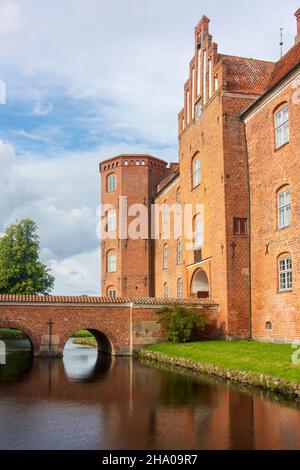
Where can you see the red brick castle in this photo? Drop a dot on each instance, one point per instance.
(239, 150)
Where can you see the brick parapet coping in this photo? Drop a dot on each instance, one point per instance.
(55, 299)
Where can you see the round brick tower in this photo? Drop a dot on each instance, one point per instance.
(126, 180)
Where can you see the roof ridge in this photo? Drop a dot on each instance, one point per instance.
(36, 298)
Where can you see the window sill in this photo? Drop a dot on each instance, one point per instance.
(287, 291)
(280, 229)
(277, 149)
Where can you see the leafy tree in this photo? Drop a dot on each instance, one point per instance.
(180, 322)
(20, 269)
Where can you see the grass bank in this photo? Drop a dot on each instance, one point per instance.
(82, 334)
(11, 334)
(90, 342)
(250, 362)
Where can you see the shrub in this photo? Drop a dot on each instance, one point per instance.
(180, 322)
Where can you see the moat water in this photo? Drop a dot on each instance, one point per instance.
(86, 401)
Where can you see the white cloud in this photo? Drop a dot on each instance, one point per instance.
(78, 275)
(41, 110)
(129, 61)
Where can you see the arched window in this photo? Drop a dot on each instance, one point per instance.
(111, 262)
(281, 122)
(112, 292)
(198, 231)
(284, 207)
(285, 273)
(196, 177)
(179, 289)
(165, 257)
(179, 251)
(166, 291)
(111, 220)
(126, 163)
(137, 163)
(111, 183)
(143, 163)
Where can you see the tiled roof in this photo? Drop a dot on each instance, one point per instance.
(284, 66)
(166, 182)
(50, 299)
(281, 69)
(247, 76)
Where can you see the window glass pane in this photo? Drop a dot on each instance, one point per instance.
(281, 120)
(285, 274)
(284, 209)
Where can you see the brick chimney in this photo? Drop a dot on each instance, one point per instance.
(297, 14)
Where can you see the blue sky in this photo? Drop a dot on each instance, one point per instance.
(88, 79)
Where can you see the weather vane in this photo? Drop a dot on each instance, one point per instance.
(281, 42)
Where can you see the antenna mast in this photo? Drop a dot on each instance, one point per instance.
(281, 42)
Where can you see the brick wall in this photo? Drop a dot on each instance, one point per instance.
(270, 170)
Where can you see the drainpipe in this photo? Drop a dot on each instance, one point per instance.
(249, 229)
(130, 326)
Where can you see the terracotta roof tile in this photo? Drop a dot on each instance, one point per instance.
(50, 299)
(284, 66)
(247, 76)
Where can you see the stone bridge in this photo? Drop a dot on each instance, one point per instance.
(120, 326)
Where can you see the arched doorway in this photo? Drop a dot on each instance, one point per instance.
(200, 285)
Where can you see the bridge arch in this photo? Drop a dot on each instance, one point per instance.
(30, 334)
(106, 340)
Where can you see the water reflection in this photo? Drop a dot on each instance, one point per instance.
(82, 364)
(86, 401)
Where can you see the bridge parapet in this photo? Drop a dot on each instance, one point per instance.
(120, 325)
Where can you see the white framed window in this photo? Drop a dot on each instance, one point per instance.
(112, 293)
(198, 233)
(166, 291)
(165, 213)
(179, 289)
(282, 132)
(179, 252)
(111, 220)
(111, 262)
(285, 274)
(284, 208)
(196, 172)
(111, 183)
(165, 257)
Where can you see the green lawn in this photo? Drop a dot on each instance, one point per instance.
(10, 334)
(250, 356)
